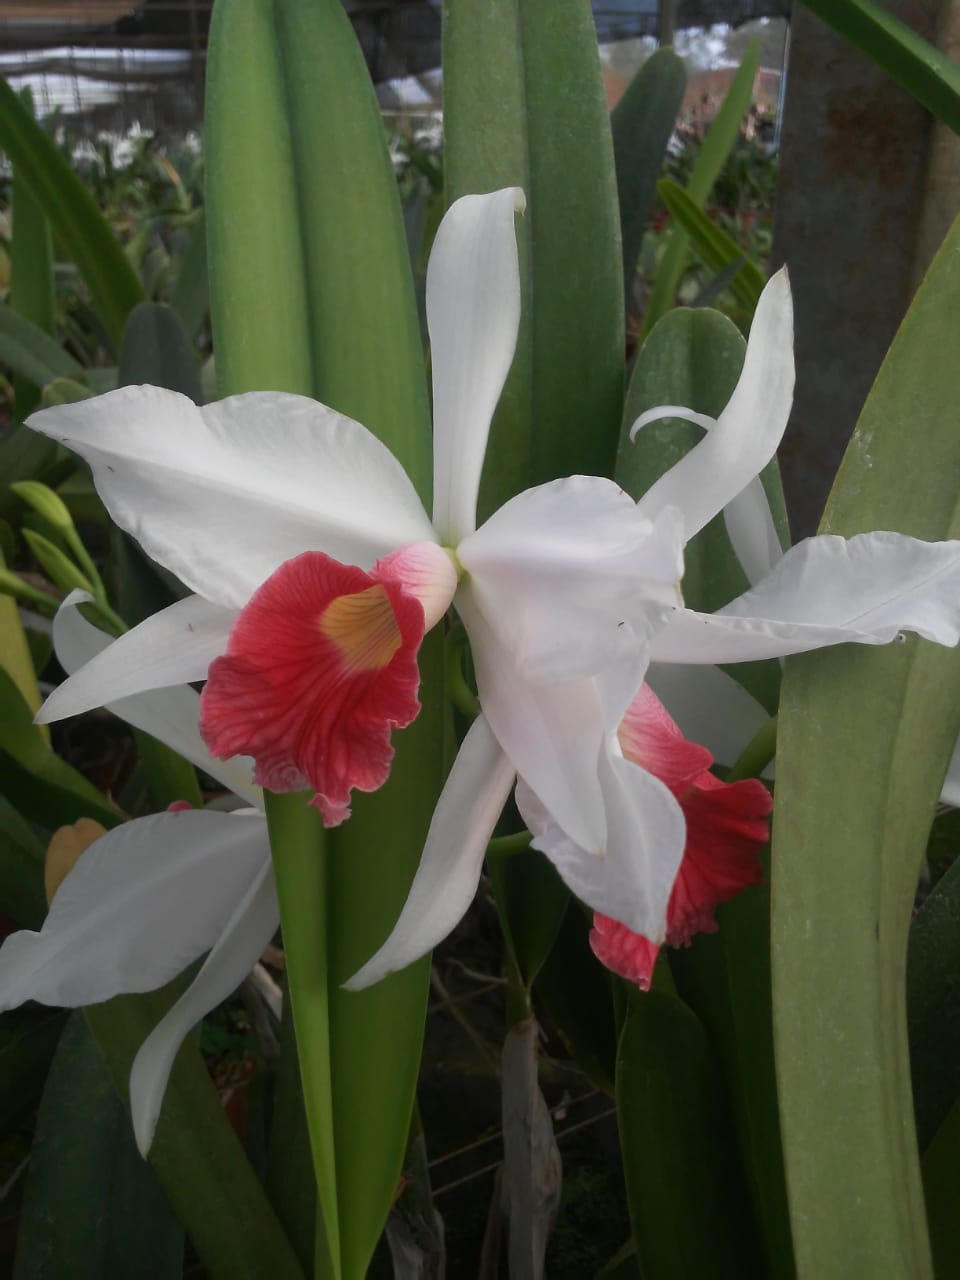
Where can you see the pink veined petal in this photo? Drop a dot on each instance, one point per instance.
(142, 903)
(172, 647)
(571, 577)
(652, 739)
(170, 715)
(321, 666)
(750, 428)
(449, 871)
(244, 938)
(473, 314)
(709, 707)
(223, 495)
(828, 590)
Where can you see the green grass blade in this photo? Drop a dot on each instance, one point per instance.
(924, 70)
(864, 740)
(717, 249)
(79, 225)
(717, 145)
(642, 122)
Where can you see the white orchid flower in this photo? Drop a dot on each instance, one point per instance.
(316, 572)
(153, 895)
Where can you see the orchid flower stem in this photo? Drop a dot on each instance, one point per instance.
(11, 585)
(505, 846)
(461, 695)
(758, 753)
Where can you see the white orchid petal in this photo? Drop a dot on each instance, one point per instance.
(239, 947)
(571, 577)
(142, 903)
(446, 880)
(632, 880)
(671, 411)
(709, 706)
(750, 428)
(552, 733)
(170, 715)
(172, 647)
(473, 314)
(225, 494)
(752, 532)
(828, 590)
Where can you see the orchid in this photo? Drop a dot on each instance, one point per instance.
(316, 572)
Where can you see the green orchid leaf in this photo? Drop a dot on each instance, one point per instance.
(924, 70)
(642, 122)
(156, 349)
(29, 351)
(302, 285)
(863, 745)
(724, 977)
(933, 1005)
(716, 147)
(22, 895)
(941, 1187)
(531, 903)
(88, 1193)
(717, 249)
(688, 1203)
(191, 294)
(693, 358)
(207, 1178)
(78, 224)
(31, 274)
(506, 124)
(46, 788)
(28, 1038)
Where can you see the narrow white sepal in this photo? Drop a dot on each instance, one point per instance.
(449, 871)
(243, 940)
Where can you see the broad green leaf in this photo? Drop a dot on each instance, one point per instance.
(156, 349)
(289, 1179)
(725, 979)
(575, 991)
(22, 896)
(30, 352)
(508, 122)
(191, 295)
(302, 286)
(31, 273)
(717, 249)
(693, 358)
(717, 145)
(933, 1005)
(688, 1204)
(924, 70)
(45, 787)
(89, 1194)
(642, 122)
(198, 1158)
(941, 1190)
(864, 741)
(78, 224)
(28, 1038)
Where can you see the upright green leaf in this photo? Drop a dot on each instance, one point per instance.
(864, 741)
(717, 145)
(642, 122)
(31, 272)
(191, 294)
(717, 249)
(688, 1204)
(89, 1194)
(507, 122)
(924, 70)
(31, 352)
(73, 214)
(303, 287)
(156, 349)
